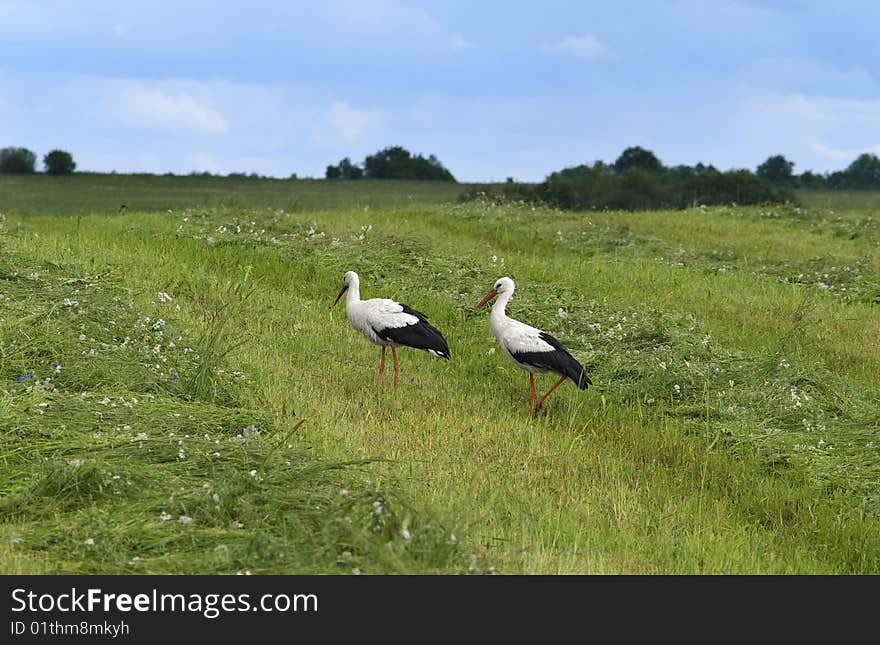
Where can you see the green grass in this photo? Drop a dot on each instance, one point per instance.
(840, 200)
(732, 426)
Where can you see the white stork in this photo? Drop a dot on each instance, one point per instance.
(529, 348)
(387, 323)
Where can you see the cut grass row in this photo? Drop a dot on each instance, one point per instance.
(732, 427)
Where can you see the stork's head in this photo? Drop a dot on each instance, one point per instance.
(502, 285)
(350, 278)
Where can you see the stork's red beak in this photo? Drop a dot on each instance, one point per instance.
(341, 291)
(487, 298)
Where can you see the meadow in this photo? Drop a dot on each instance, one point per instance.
(178, 396)
(90, 193)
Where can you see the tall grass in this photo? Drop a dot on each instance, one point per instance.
(112, 463)
(732, 425)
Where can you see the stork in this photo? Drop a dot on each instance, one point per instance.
(529, 348)
(387, 323)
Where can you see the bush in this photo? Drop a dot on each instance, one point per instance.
(731, 187)
(19, 161)
(59, 162)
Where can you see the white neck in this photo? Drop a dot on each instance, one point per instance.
(500, 305)
(354, 292)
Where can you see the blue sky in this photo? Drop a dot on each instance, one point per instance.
(494, 89)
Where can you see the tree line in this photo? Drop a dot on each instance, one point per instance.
(863, 173)
(21, 161)
(638, 180)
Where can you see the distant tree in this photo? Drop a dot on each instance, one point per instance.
(703, 169)
(594, 188)
(344, 170)
(682, 172)
(390, 163)
(637, 157)
(838, 179)
(809, 179)
(348, 170)
(18, 161)
(777, 170)
(59, 162)
(396, 162)
(864, 172)
(731, 187)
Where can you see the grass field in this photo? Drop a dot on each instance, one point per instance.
(91, 193)
(178, 395)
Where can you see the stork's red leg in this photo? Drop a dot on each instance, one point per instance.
(381, 367)
(394, 354)
(531, 394)
(555, 385)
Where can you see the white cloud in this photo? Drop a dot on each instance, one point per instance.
(141, 105)
(583, 47)
(820, 110)
(352, 123)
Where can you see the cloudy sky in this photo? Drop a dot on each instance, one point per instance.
(495, 89)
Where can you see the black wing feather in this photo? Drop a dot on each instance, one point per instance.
(421, 335)
(559, 361)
